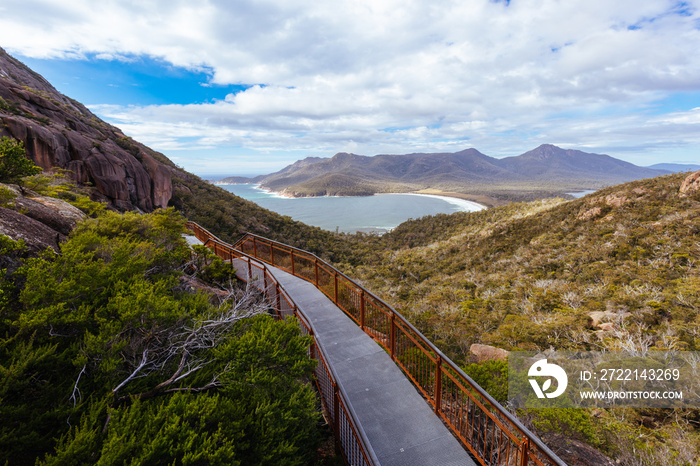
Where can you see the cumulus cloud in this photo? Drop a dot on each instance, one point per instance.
(389, 75)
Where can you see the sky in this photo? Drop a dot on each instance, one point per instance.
(249, 86)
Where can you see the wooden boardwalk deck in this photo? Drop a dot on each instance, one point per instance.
(400, 426)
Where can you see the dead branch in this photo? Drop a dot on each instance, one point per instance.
(189, 343)
(76, 390)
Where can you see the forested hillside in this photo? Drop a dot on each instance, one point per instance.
(120, 345)
(617, 269)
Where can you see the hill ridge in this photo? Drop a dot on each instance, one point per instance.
(544, 171)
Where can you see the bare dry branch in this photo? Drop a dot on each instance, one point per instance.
(76, 390)
(188, 342)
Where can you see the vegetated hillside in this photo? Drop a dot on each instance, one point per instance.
(617, 269)
(540, 172)
(125, 347)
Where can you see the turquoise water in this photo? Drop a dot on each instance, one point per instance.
(378, 213)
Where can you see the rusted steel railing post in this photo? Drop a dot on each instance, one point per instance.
(316, 270)
(255, 247)
(392, 337)
(524, 448)
(336, 415)
(335, 276)
(438, 384)
(362, 309)
(291, 254)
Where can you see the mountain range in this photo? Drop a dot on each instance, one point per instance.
(547, 169)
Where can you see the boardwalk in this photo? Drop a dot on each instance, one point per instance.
(391, 395)
(400, 426)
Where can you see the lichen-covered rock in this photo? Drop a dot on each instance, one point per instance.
(39, 220)
(35, 234)
(162, 182)
(70, 213)
(39, 212)
(691, 184)
(487, 352)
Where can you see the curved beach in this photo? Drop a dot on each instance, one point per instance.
(463, 204)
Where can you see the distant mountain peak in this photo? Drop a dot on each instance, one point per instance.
(547, 168)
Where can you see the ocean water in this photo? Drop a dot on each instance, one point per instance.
(379, 213)
(579, 194)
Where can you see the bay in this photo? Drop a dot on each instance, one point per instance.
(379, 213)
(580, 194)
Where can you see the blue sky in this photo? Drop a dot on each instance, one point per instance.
(247, 87)
(132, 81)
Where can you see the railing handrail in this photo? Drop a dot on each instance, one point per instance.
(366, 445)
(515, 422)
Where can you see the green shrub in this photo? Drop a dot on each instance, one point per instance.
(14, 165)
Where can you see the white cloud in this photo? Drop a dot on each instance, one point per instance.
(391, 76)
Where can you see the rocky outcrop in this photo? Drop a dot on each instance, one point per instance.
(487, 352)
(691, 184)
(43, 214)
(60, 133)
(35, 234)
(42, 222)
(69, 213)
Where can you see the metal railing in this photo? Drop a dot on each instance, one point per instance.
(489, 432)
(350, 438)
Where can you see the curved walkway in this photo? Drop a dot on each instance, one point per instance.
(400, 426)
(378, 415)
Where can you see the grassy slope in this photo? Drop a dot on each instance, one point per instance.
(630, 248)
(531, 275)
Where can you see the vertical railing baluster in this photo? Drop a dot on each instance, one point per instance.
(316, 270)
(335, 277)
(336, 414)
(362, 309)
(438, 384)
(524, 452)
(392, 338)
(291, 254)
(279, 304)
(264, 274)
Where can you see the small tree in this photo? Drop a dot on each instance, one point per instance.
(14, 164)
